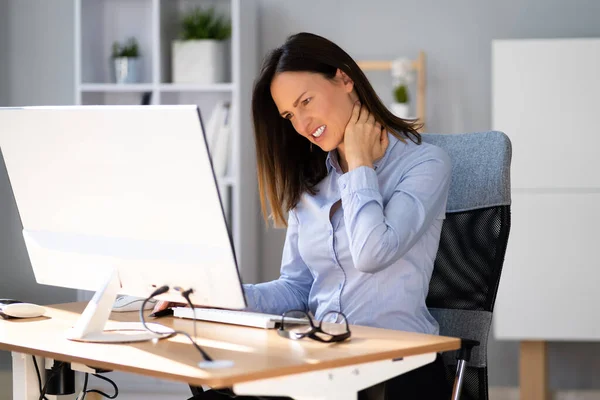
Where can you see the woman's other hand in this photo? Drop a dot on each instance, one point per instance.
(161, 305)
(365, 140)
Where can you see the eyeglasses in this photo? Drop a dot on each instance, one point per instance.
(297, 324)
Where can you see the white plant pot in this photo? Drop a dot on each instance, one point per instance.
(125, 70)
(199, 61)
(400, 110)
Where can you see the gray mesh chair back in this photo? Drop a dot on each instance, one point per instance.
(469, 261)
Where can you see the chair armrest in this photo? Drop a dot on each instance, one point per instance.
(465, 349)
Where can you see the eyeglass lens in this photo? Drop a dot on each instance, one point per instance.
(296, 322)
(337, 326)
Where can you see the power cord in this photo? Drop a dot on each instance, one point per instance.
(55, 369)
(39, 377)
(186, 296)
(135, 300)
(161, 290)
(85, 383)
(85, 391)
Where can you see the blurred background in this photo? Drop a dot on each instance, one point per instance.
(62, 52)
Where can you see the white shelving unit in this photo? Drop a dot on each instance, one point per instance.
(98, 23)
(155, 23)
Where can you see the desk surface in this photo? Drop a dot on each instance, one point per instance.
(257, 353)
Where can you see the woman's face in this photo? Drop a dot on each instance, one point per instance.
(317, 107)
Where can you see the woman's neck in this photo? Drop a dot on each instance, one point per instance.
(342, 158)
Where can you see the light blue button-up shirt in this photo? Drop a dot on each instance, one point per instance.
(373, 259)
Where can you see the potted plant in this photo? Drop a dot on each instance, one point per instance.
(199, 56)
(125, 61)
(401, 101)
(402, 74)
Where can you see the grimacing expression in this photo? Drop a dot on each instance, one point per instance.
(318, 108)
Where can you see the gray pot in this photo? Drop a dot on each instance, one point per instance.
(125, 69)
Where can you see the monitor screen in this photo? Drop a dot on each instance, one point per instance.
(129, 189)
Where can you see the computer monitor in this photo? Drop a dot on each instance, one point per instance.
(120, 200)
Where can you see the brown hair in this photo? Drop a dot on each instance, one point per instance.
(287, 166)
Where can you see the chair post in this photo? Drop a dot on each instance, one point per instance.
(458, 380)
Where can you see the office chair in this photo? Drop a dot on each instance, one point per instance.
(469, 261)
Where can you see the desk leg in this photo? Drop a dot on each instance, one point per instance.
(342, 383)
(24, 378)
(534, 371)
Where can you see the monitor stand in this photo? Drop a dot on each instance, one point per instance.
(94, 326)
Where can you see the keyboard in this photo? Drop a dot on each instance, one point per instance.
(235, 317)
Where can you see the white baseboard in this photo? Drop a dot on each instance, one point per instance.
(512, 393)
(504, 393)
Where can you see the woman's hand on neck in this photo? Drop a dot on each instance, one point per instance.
(365, 140)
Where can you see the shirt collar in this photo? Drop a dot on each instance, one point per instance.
(332, 161)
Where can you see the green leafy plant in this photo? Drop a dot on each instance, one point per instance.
(201, 24)
(128, 49)
(401, 94)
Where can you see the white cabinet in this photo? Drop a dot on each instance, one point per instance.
(550, 280)
(155, 24)
(545, 98)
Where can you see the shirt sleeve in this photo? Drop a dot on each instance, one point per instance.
(290, 291)
(381, 234)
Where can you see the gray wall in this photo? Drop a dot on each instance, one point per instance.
(456, 36)
(36, 50)
(41, 58)
(3, 52)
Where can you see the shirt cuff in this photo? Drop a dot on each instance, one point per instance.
(361, 178)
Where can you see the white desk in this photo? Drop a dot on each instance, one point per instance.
(265, 364)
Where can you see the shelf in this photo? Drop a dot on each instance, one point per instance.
(214, 87)
(147, 87)
(113, 87)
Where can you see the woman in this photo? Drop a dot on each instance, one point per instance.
(365, 200)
